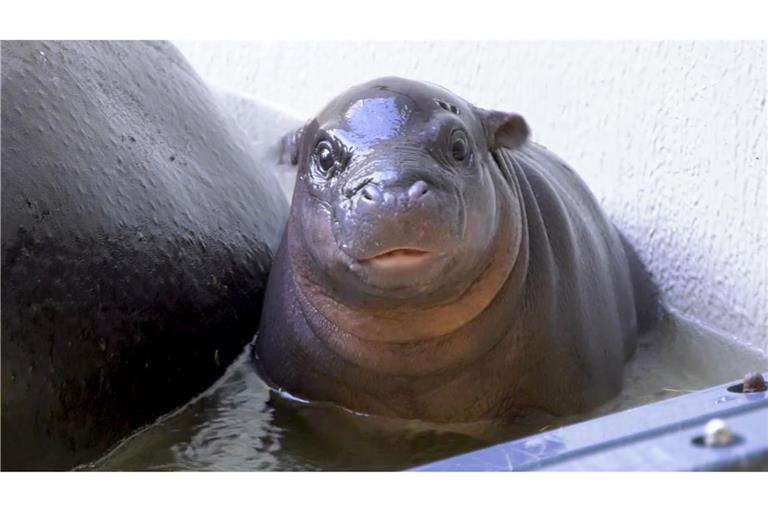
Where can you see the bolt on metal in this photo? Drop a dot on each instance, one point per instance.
(753, 383)
(717, 433)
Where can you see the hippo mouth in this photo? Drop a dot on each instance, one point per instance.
(398, 258)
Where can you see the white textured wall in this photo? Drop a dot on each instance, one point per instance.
(671, 137)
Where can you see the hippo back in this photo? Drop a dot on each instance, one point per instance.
(579, 282)
(137, 233)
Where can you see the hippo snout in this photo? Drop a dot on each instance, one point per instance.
(373, 197)
(381, 217)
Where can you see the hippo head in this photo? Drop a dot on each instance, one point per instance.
(396, 193)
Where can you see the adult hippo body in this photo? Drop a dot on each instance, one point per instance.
(138, 228)
(437, 265)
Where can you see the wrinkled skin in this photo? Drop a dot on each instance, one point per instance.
(438, 266)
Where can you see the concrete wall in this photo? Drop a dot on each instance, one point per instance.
(670, 136)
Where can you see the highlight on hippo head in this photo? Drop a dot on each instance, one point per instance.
(397, 186)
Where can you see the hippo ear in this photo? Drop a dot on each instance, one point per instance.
(504, 130)
(289, 147)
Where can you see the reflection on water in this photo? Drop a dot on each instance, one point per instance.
(239, 424)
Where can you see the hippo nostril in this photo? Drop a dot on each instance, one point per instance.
(417, 190)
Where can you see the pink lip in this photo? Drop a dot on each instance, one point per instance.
(398, 258)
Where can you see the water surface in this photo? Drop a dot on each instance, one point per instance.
(240, 424)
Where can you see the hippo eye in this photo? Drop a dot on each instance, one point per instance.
(325, 157)
(459, 147)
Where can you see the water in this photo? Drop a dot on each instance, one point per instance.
(240, 424)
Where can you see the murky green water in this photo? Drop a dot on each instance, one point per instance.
(239, 424)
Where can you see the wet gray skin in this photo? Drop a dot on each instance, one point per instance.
(400, 208)
(437, 265)
(138, 228)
